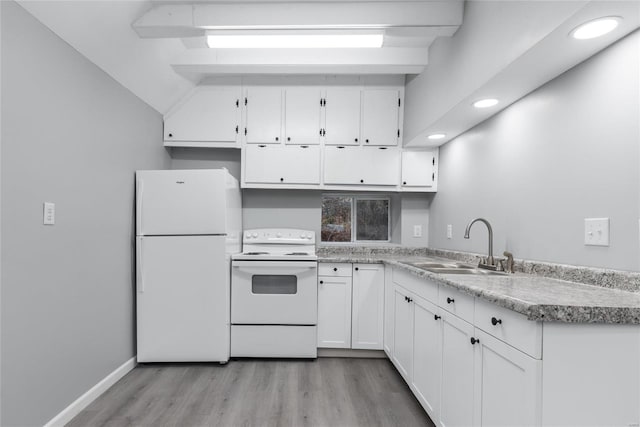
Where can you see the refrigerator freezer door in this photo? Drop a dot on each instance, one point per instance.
(182, 299)
(179, 202)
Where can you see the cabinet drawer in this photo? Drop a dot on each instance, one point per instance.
(420, 286)
(456, 302)
(342, 269)
(510, 327)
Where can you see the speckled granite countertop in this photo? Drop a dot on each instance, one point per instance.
(537, 297)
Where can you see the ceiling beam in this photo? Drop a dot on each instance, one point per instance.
(196, 62)
(189, 20)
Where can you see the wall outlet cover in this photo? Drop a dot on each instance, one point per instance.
(596, 231)
(417, 231)
(49, 213)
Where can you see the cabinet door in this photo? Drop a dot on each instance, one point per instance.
(342, 165)
(507, 383)
(368, 306)
(334, 312)
(403, 333)
(427, 355)
(456, 404)
(380, 113)
(342, 116)
(280, 164)
(210, 114)
(264, 112)
(361, 166)
(389, 303)
(418, 168)
(302, 115)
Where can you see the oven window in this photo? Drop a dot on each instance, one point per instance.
(274, 284)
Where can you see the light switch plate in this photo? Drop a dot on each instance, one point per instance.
(596, 231)
(449, 231)
(49, 213)
(417, 231)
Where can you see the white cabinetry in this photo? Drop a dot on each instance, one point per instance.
(281, 164)
(350, 305)
(342, 116)
(418, 169)
(334, 311)
(368, 166)
(368, 306)
(263, 115)
(403, 333)
(302, 115)
(210, 114)
(380, 116)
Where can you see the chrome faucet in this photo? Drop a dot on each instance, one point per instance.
(490, 264)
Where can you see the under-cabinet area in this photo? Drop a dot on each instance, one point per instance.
(312, 133)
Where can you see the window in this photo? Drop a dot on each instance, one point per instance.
(342, 213)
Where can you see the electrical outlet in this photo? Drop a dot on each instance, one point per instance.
(49, 213)
(449, 231)
(417, 231)
(596, 231)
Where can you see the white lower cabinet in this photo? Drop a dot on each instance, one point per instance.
(334, 312)
(507, 384)
(403, 333)
(368, 306)
(456, 406)
(427, 355)
(351, 306)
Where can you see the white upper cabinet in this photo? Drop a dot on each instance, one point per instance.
(281, 164)
(380, 116)
(209, 114)
(302, 115)
(263, 115)
(418, 168)
(342, 116)
(361, 166)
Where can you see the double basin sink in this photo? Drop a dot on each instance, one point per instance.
(455, 268)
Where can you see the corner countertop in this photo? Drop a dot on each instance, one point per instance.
(538, 298)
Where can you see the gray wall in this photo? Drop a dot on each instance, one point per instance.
(73, 136)
(568, 151)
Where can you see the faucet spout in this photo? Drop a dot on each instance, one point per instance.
(490, 260)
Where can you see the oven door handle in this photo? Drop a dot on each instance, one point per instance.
(274, 264)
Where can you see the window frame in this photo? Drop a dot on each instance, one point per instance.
(354, 220)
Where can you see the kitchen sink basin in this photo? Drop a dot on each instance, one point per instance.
(456, 268)
(427, 265)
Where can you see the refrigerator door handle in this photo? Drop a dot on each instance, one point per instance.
(139, 269)
(139, 192)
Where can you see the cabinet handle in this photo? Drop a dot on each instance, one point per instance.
(474, 340)
(362, 181)
(236, 129)
(288, 138)
(436, 317)
(450, 300)
(382, 148)
(404, 182)
(356, 268)
(321, 282)
(366, 140)
(356, 139)
(410, 300)
(495, 321)
(262, 146)
(277, 139)
(170, 135)
(281, 179)
(340, 147)
(335, 268)
(304, 146)
(406, 298)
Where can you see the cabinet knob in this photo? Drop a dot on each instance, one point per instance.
(356, 139)
(362, 181)
(170, 135)
(436, 317)
(288, 138)
(335, 268)
(495, 321)
(366, 140)
(404, 182)
(281, 179)
(474, 340)
(356, 269)
(277, 139)
(321, 282)
(450, 300)
(410, 300)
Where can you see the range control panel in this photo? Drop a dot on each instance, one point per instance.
(288, 236)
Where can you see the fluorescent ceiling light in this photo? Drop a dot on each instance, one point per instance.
(239, 41)
(485, 103)
(436, 136)
(596, 28)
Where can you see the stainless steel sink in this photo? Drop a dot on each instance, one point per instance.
(456, 268)
(427, 265)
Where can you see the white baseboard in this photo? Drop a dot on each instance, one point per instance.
(347, 352)
(94, 392)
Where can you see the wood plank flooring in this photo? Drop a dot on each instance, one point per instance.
(264, 392)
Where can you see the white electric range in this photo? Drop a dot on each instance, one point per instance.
(274, 294)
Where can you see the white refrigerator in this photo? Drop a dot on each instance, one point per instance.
(188, 224)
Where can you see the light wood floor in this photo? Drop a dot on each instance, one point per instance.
(323, 392)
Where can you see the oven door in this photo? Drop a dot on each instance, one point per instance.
(274, 292)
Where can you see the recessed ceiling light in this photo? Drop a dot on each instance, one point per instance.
(485, 103)
(240, 41)
(595, 28)
(436, 136)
